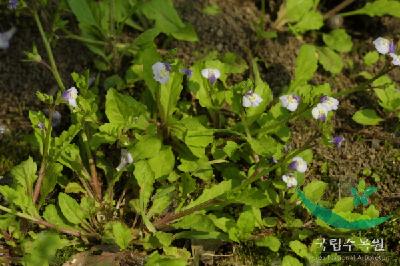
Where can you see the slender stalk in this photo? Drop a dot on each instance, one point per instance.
(95, 182)
(49, 52)
(43, 165)
(337, 9)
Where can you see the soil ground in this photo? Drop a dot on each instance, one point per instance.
(372, 153)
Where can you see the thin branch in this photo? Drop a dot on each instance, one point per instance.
(337, 9)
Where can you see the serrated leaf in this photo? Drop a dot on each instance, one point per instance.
(122, 234)
(123, 109)
(338, 40)
(167, 19)
(71, 209)
(162, 199)
(306, 63)
(145, 148)
(344, 205)
(296, 9)
(312, 20)
(315, 190)
(25, 175)
(211, 193)
(163, 163)
(169, 95)
(52, 215)
(145, 178)
(367, 117)
(299, 248)
(371, 58)
(330, 60)
(271, 242)
(378, 8)
(82, 11)
(291, 261)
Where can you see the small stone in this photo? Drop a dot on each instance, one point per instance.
(220, 33)
(220, 47)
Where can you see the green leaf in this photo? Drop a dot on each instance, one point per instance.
(167, 19)
(315, 190)
(145, 148)
(344, 205)
(53, 172)
(299, 248)
(163, 163)
(71, 209)
(123, 109)
(291, 261)
(198, 222)
(212, 10)
(313, 20)
(389, 98)
(378, 8)
(330, 60)
(296, 9)
(169, 95)
(338, 40)
(162, 199)
(271, 242)
(52, 215)
(145, 178)
(82, 12)
(74, 187)
(156, 259)
(367, 117)
(371, 58)
(25, 175)
(122, 234)
(43, 249)
(306, 63)
(211, 193)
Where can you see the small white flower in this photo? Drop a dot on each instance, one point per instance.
(290, 180)
(6, 36)
(70, 96)
(161, 72)
(212, 74)
(298, 164)
(290, 102)
(395, 59)
(126, 159)
(329, 103)
(251, 99)
(320, 112)
(382, 45)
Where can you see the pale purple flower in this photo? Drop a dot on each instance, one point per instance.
(186, 71)
(395, 59)
(12, 4)
(6, 36)
(392, 48)
(337, 141)
(329, 103)
(212, 74)
(382, 45)
(290, 102)
(298, 164)
(320, 112)
(70, 96)
(251, 99)
(290, 180)
(41, 126)
(126, 159)
(161, 72)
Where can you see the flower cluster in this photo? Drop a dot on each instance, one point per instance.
(297, 164)
(385, 46)
(326, 104)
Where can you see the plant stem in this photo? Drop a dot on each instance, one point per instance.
(337, 9)
(43, 165)
(49, 52)
(92, 166)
